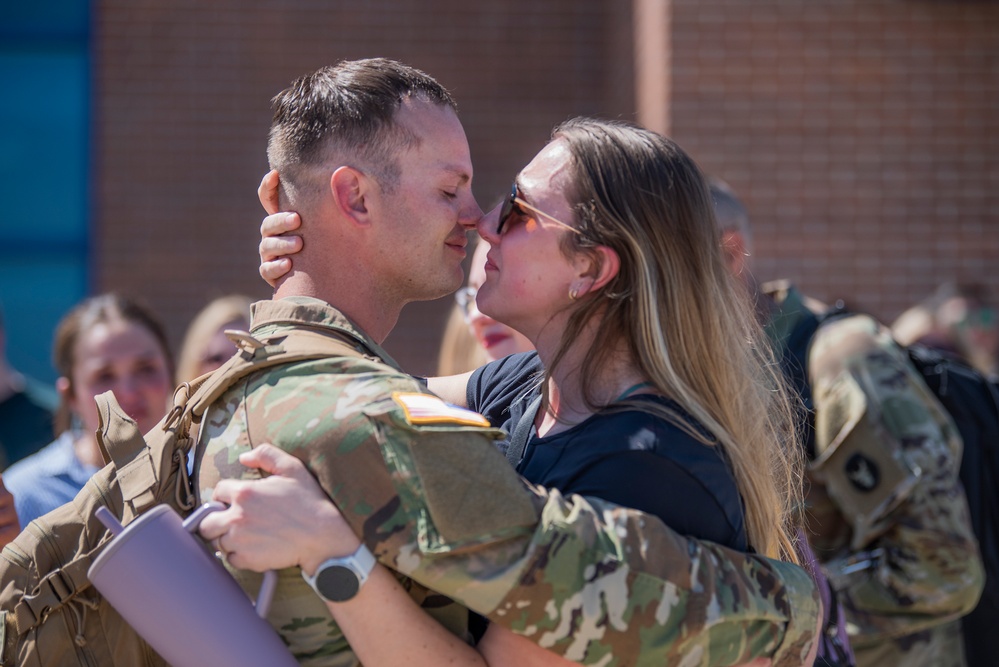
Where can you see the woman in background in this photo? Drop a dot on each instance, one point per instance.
(107, 342)
(206, 346)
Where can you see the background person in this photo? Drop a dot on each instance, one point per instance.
(459, 352)
(886, 513)
(10, 526)
(105, 342)
(27, 410)
(206, 346)
(957, 319)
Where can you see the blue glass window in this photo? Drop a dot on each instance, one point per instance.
(44, 173)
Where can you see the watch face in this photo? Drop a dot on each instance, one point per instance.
(337, 583)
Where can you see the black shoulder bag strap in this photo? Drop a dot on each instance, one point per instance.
(522, 433)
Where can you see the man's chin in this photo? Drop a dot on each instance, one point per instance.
(444, 289)
(456, 280)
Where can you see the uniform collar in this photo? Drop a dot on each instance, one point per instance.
(302, 311)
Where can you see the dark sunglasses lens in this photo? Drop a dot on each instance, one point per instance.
(506, 209)
(503, 215)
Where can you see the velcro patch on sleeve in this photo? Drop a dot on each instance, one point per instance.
(428, 409)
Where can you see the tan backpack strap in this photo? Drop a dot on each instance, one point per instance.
(120, 439)
(56, 589)
(140, 464)
(120, 434)
(259, 353)
(123, 444)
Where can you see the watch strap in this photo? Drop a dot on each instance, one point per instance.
(361, 563)
(365, 561)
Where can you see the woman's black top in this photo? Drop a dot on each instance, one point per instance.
(631, 458)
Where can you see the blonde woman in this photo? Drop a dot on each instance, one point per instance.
(206, 346)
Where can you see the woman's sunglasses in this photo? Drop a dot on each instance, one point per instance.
(515, 205)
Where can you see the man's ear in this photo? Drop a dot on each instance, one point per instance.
(735, 251)
(600, 267)
(351, 190)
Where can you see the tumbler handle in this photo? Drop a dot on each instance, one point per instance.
(266, 594)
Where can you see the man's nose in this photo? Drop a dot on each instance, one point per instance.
(470, 215)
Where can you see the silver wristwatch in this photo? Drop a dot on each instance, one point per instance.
(339, 579)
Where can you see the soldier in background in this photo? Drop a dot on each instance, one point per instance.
(574, 570)
(887, 515)
(959, 320)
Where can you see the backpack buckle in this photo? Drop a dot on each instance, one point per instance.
(246, 343)
(180, 397)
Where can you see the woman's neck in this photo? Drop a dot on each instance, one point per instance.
(566, 405)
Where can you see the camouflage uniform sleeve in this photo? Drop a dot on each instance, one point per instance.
(582, 578)
(602, 585)
(888, 456)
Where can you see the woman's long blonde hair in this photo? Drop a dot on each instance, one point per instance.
(460, 352)
(686, 322)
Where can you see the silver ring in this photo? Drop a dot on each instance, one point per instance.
(220, 551)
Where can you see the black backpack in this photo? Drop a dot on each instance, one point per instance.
(973, 403)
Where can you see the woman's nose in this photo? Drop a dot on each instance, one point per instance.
(127, 387)
(487, 226)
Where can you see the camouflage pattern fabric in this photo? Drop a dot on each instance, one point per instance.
(887, 513)
(434, 499)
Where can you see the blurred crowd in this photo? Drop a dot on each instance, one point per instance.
(108, 342)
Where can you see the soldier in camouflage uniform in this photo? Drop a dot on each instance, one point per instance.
(595, 583)
(886, 511)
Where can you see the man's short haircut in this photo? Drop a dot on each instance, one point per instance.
(730, 212)
(345, 112)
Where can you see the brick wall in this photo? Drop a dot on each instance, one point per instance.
(182, 92)
(862, 133)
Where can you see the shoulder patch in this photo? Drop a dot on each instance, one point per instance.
(862, 472)
(428, 409)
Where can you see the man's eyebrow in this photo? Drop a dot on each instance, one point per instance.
(460, 172)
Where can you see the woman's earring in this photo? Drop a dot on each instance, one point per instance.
(573, 293)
